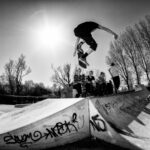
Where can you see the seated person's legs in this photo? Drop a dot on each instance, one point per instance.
(77, 87)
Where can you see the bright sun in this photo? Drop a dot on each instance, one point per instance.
(48, 35)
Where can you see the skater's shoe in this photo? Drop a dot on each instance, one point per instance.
(84, 55)
(79, 47)
(84, 60)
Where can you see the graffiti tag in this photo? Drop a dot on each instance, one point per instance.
(59, 129)
(98, 124)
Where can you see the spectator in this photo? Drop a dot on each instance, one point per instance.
(83, 85)
(101, 84)
(90, 83)
(77, 89)
(110, 87)
(115, 76)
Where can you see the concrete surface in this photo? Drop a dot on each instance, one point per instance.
(122, 120)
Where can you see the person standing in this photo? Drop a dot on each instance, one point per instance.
(115, 76)
(77, 83)
(90, 83)
(101, 84)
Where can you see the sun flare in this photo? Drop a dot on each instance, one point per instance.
(49, 35)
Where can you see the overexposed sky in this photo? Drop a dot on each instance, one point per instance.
(42, 30)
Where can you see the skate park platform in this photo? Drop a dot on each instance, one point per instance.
(122, 120)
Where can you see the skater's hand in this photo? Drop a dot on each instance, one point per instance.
(115, 36)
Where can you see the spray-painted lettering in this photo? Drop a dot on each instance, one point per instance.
(98, 124)
(59, 129)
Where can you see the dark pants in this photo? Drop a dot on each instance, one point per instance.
(87, 37)
(109, 88)
(78, 87)
(116, 81)
(101, 89)
(89, 88)
(90, 41)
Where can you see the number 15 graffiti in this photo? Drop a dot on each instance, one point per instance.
(98, 124)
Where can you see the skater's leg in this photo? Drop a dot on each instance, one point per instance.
(92, 43)
(90, 51)
(76, 45)
(79, 46)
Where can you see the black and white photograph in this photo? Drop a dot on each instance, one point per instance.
(74, 75)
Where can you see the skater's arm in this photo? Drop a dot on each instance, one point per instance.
(109, 31)
(76, 44)
(110, 72)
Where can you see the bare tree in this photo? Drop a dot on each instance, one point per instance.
(133, 58)
(10, 75)
(147, 17)
(14, 72)
(3, 89)
(145, 31)
(129, 44)
(21, 70)
(62, 75)
(143, 50)
(28, 86)
(116, 56)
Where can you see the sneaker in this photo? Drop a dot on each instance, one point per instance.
(79, 48)
(84, 60)
(84, 55)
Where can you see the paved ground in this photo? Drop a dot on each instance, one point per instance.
(6, 108)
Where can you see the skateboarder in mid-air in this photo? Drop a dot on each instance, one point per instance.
(83, 31)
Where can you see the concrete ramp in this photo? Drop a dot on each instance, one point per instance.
(101, 129)
(123, 120)
(129, 115)
(45, 124)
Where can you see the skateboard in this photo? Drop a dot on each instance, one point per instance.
(80, 52)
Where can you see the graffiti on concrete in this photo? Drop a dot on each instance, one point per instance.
(59, 129)
(98, 124)
(109, 106)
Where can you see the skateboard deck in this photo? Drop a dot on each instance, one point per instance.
(81, 62)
